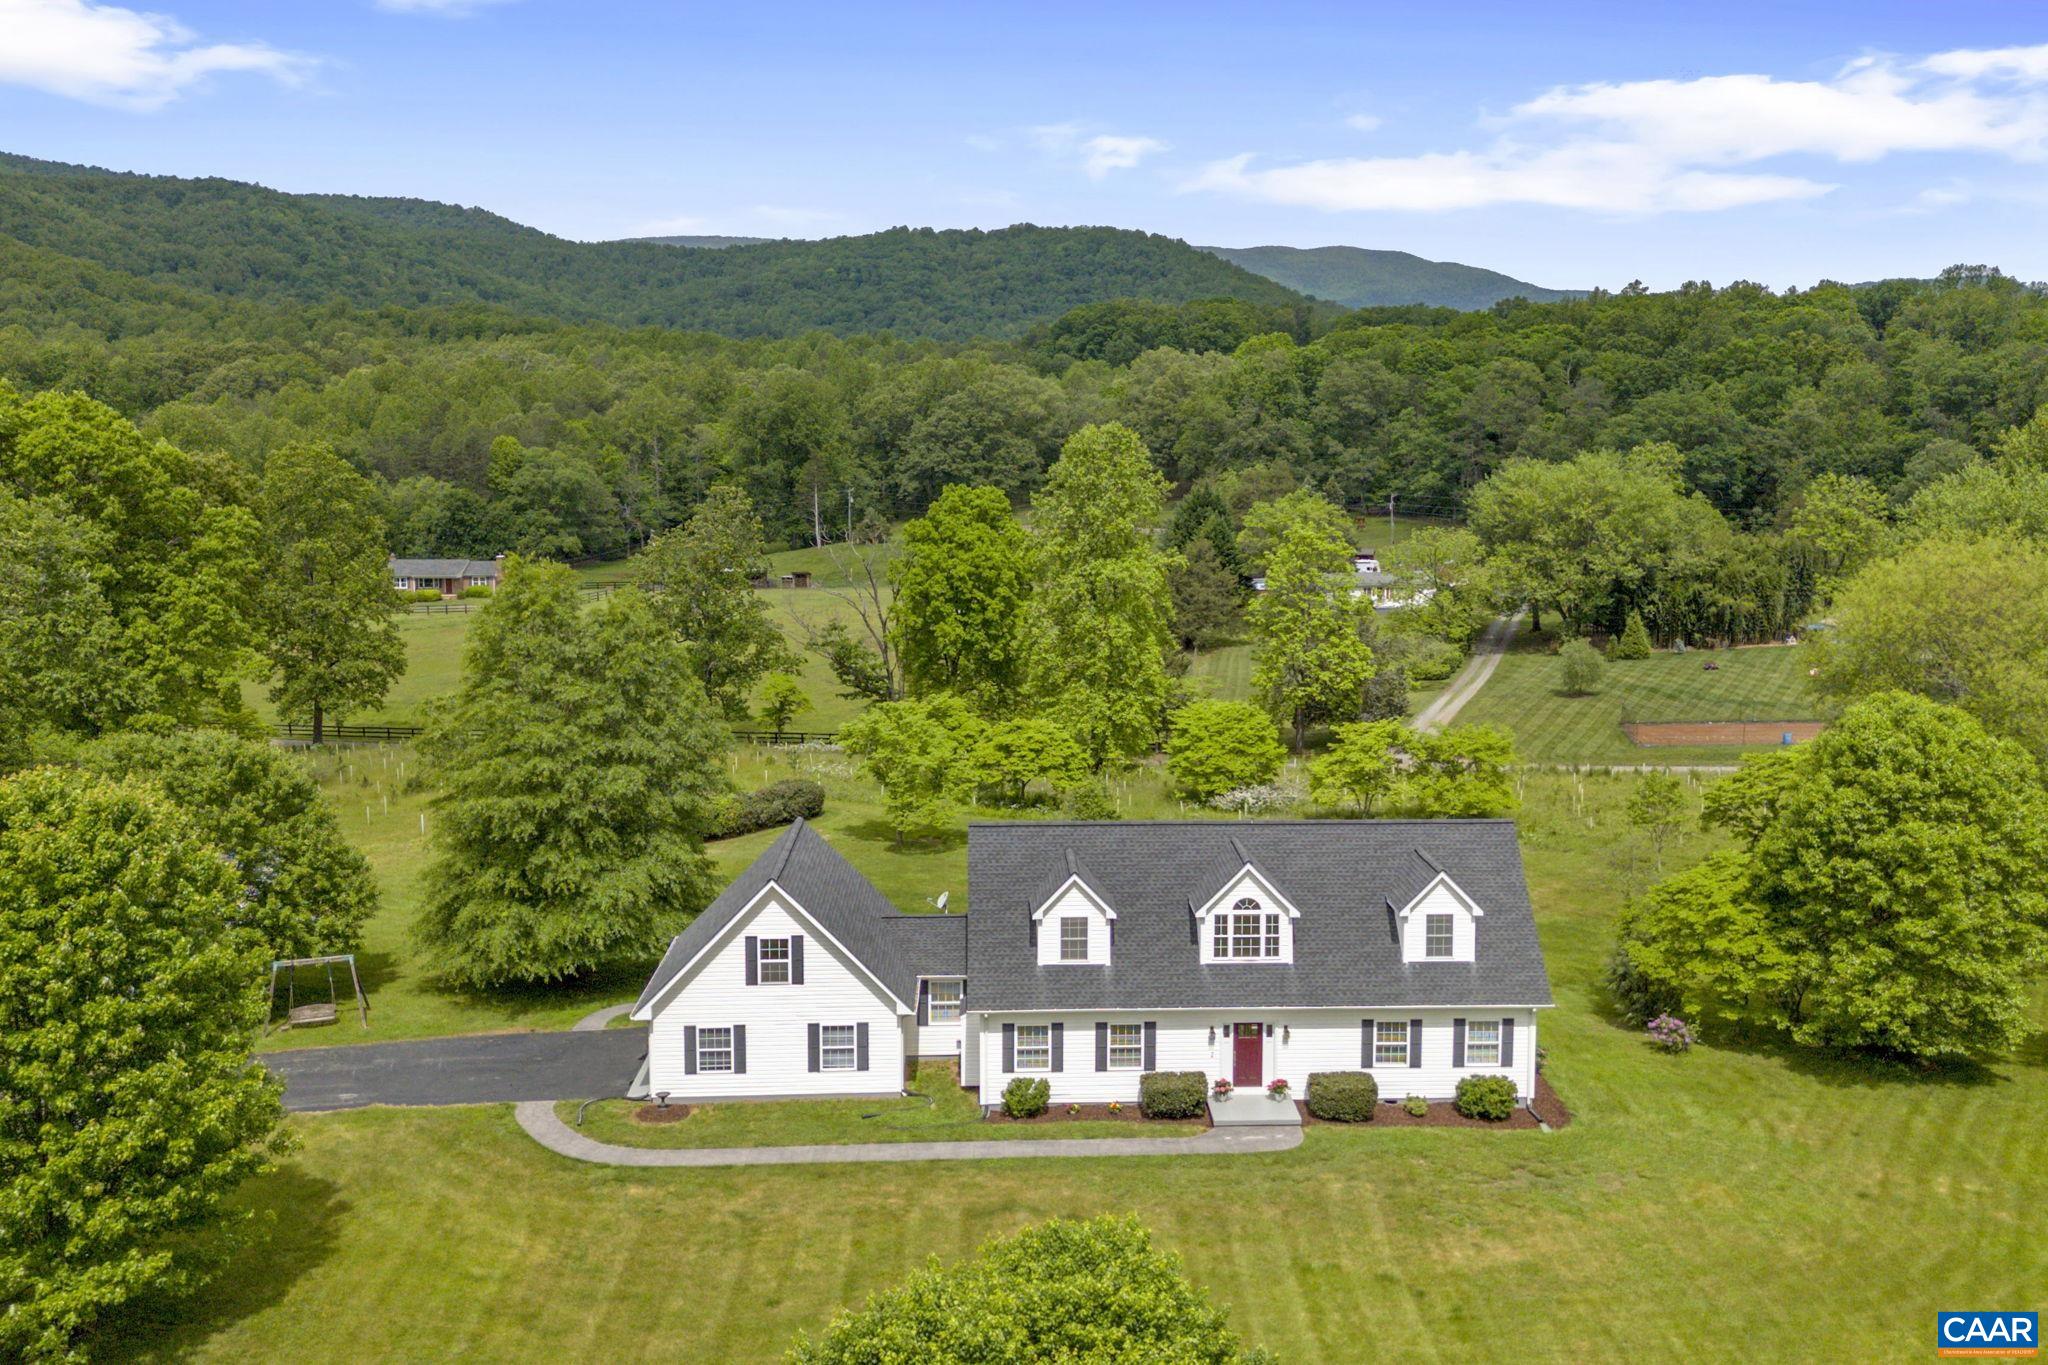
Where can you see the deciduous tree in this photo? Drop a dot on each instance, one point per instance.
(1362, 766)
(700, 580)
(1311, 660)
(962, 585)
(1218, 746)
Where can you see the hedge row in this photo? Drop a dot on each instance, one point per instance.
(778, 803)
(1173, 1094)
(1342, 1096)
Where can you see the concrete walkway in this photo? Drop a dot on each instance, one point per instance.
(1486, 655)
(539, 1120)
(599, 1019)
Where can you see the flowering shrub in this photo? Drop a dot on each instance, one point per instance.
(1670, 1033)
(1263, 799)
(1073, 1109)
(1115, 1107)
(1276, 1087)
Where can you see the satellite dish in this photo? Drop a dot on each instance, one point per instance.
(944, 896)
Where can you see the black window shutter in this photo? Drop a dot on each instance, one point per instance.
(860, 1047)
(796, 959)
(924, 1003)
(689, 1049)
(1059, 1047)
(1101, 1046)
(753, 960)
(739, 1049)
(1457, 1042)
(814, 1047)
(1151, 1046)
(1365, 1043)
(1507, 1042)
(1009, 1047)
(1415, 1042)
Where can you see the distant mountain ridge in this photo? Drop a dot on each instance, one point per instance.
(235, 240)
(1359, 277)
(710, 243)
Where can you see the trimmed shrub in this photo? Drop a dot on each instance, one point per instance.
(1343, 1096)
(1026, 1097)
(1416, 1106)
(1486, 1097)
(419, 595)
(1579, 666)
(1633, 642)
(476, 590)
(778, 803)
(1173, 1094)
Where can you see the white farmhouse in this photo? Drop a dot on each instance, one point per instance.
(1096, 952)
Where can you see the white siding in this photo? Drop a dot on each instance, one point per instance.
(1247, 887)
(938, 1040)
(970, 1050)
(1439, 900)
(777, 1019)
(1073, 901)
(1303, 1041)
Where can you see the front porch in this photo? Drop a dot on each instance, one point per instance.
(1252, 1109)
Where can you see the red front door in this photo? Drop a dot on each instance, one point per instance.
(1248, 1063)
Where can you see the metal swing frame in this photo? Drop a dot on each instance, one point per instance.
(315, 1012)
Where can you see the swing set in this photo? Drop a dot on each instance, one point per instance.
(317, 1011)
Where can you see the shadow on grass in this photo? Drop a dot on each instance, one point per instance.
(879, 832)
(517, 1002)
(297, 1217)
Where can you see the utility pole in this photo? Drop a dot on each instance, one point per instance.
(849, 516)
(1390, 517)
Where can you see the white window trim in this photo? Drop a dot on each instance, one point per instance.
(850, 1048)
(1134, 1050)
(762, 962)
(1268, 937)
(1086, 937)
(705, 1049)
(1473, 1045)
(956, 1003)
(1450, 921)
(1044, 1045)
(1383, 1045)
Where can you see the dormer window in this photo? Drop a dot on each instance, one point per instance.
(1073, 938)
(1437, 935)
(1247, 930)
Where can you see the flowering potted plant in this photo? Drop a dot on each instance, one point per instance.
(1277, 1088)
(1223, 1087)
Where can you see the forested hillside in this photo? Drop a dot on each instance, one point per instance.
(243, 241)
(1361, 278)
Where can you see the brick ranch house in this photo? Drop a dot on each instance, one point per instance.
(445, 576)
(1096, 952)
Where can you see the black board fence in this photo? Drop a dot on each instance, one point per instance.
(333, 733)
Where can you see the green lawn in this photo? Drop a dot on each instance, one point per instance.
(954, 1115)
(1762, 683)
(1742, 1202)
(1225, 674)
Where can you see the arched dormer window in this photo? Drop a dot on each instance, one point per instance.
(1247, 930)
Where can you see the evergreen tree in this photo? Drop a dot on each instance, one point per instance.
(578, 767)
(329, 614)
(1633, 642)
(700, 578)
(1208, 606)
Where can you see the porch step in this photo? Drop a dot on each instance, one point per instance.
(1253, 1109)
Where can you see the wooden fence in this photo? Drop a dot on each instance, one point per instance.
(334, 733)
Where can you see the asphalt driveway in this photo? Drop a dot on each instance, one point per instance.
(479, 1069)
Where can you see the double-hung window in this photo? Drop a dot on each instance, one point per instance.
(1482, 1042)
(1436, 936)
(1034, 1047)
(1389, 1042)
(838, 1047)
(1248, 931)
(714, 1049)
(1126, 1047)
(774, 961)
(943, 1002)
(1073, 938)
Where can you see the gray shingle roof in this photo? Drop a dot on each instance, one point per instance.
(1340, 874)
(933, 945)
(443, 568)
(830, 890)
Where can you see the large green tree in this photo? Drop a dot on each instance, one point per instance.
(577, 768)
(1311, 658)
(1101, 619)
(962, 585)
(330, 618)
(1886, 894)
(917, 752)
(1959, 621)
(700, 578)
(129, 1109)
(1218, 746)
(60, 665)
(305, 889)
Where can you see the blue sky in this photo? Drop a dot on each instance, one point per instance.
(1566, 144)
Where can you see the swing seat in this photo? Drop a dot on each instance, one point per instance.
(312, 1014)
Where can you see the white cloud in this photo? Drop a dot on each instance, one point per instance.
(1098, 154)
(449, 9)
(1364, 123)
(1688, 145)
(109, 55)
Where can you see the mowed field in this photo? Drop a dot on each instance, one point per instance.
(1742, 1202)
(1525, 694)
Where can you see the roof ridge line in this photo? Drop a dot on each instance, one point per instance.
(789, 842)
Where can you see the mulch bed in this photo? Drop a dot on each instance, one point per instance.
(1083, 1112)
(1659, 734)
(654, 1113)
(1549, 1108)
